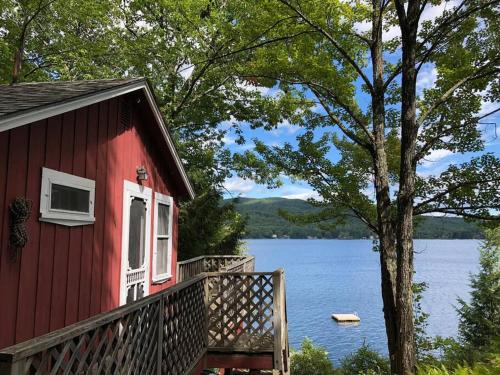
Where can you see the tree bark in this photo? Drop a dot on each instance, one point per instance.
(384, 214)
(405, 356)
(18, 54)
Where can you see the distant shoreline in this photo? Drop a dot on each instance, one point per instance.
(264, 221)
(357, 239)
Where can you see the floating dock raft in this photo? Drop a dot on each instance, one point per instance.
(346, 318)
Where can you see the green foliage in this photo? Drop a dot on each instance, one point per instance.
(365, 361)
(184, 48)
(490, 365)
(311, 54)
(264, 219)
(313, 360)
(310, 360)
(58, 39)
(423, 343)
(480, 318)
(209, 228)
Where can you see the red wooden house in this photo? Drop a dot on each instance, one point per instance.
(104, 179)
(94, 163)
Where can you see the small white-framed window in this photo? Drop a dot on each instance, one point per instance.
(162, 246)
(66, 199)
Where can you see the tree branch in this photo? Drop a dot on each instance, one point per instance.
(332, 40)
(447, 26)
(488, 114)
(476, 75)
(350, 111)
(364, 219)
(450, 22)
(351, 135)
(449, 190)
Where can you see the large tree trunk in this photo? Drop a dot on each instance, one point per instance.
(384, 215)
(406, 358)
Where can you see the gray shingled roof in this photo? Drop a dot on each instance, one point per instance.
(25, 97)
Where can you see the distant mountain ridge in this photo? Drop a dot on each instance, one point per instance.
(265, 222)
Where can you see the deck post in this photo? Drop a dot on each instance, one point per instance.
(280, 323)
(278, 361)
(13, 368)
(207, 306)
(160, 335)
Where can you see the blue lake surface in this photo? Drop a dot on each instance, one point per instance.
(343, 276)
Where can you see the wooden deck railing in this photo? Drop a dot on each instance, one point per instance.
(214, 263)
(168, 332)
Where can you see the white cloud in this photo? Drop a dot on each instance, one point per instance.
(363, 27)
(254, 88)
(487, 107)
(285, 127)
(228, 140)
(434, 157)
(392, 33)
(430, 13)
(318, 108)
(426, 77)
(238, 185)
(297, 192)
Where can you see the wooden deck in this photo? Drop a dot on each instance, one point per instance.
(218, 318)
(214, 263)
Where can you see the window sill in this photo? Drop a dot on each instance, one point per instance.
(162, 279)
(67, 222)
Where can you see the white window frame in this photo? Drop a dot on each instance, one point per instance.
(65, 217)
(168, 201)
(132, 190)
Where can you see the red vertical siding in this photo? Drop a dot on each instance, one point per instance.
(4, 162)
(88, 230)
(75, 236)
(10, 267)
(110, 228)
(66, 274)
(60, 271)
(47, 234)
(30, 254)
(100, 196)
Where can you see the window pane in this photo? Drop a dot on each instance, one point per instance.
(69, 198)
(137, 229)
(130, 294)
(140, 291)
(163, 217)
(162, 256)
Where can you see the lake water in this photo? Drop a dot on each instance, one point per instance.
(343, 276)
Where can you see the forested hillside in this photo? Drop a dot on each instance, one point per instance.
(265, 222)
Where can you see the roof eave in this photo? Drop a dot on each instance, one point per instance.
(40, 113)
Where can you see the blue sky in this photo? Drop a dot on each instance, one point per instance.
(434, 164)
(437, 161)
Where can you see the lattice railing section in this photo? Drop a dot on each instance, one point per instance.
(168, 332)
(214, 263)
(107, 348)
(125, 340)
(240, 312)
(184, 331)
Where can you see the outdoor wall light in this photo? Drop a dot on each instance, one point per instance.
(142, 174)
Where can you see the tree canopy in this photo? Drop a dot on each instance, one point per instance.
(345, 72)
